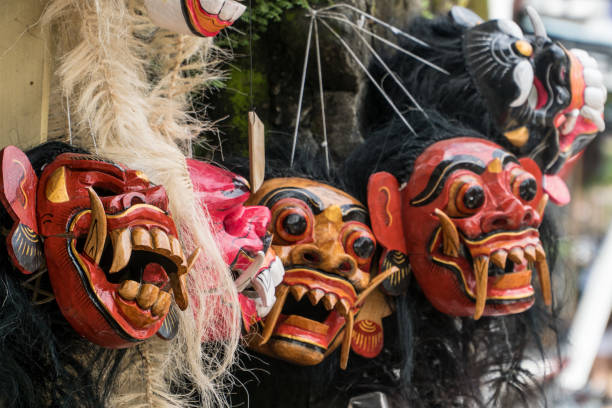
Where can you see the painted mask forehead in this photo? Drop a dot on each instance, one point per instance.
(441, 158)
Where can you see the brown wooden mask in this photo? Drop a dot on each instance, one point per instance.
(322, 238)
(110, 246)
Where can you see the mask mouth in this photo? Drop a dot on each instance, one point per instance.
(312, 308)
(494, 268)
(132, 262)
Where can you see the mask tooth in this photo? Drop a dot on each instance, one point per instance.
(499, 258)
(270, 323)
(329, 301)
(315, 295)
(540, 253)
(298, 291)
(530, 253)
(544, 276)
(179, 288)
(96, 237)
(193, 258)
(516, 255)
(122, 249)
(481, 271)
(450, 236)
(346, 341)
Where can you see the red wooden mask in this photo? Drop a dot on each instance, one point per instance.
(110, 246)
(242, 234)
(321, 236)
(470, 215)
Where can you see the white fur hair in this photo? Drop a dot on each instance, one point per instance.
(127, 85)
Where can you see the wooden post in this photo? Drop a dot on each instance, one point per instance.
(25, 74)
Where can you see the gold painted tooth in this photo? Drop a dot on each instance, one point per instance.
(540, 253)
(346, 341)
(96, 236)
(544, 276)
(179, 288)
(270, 323)
(162, 305)
(298, 291)
(481, 272)
(499, 258)
(122, 249)
(516, 255)
(329, 301)
(175, 246)
(147, 296)
(141, 239)
(343, 307)
(530, 253)
(450, 236)
(129, 289)
(315, 296)
(161, 241)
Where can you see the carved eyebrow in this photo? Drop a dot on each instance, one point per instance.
(272, 197)
(505, 157)
(438, 177)
(354, 212)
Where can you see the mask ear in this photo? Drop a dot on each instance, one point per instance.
(368, 336)
(385, 208)
(18, 184)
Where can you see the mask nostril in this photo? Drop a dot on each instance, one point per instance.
(499, 223)
(311, 257)
(527, 219)
(345, 267)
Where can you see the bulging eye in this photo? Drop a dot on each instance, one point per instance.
(293, 222)
(524, 185)
(359, 242)
(466, 197)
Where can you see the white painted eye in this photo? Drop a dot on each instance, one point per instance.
(212, 6)
(510, 27)
(523, 78)
(533, 97)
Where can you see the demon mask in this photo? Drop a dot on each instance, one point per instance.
(321, 236)
(470, 214)
(242, 235)
(546, 101)
(204, 18)
(109, 244)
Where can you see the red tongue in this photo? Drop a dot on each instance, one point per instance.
(557, 190)
(155, 274)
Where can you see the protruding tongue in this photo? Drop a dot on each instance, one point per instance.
(556, 188)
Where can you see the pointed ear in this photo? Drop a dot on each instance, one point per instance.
(368, 338)
(18, 184)
(385, 207)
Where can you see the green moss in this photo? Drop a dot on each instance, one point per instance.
(239, 104)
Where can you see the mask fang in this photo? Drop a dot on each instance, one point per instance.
(374, 283)
(346, 341)
(270, 323)
(544, 275)
(450, 236)
(96, 237)
(481, 271)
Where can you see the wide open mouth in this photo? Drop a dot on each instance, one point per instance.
(311, 310)
(133, 263)
(494, 268)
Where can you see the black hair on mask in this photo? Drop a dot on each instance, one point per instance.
(43, 361)
(454, 361)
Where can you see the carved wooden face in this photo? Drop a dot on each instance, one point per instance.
(111, 248)
(321, 236)
(241, 233)
(203, 18)
(471, 213)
